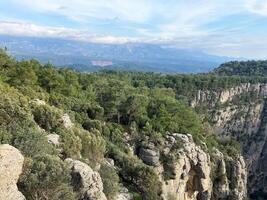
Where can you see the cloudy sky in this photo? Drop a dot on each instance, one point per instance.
(222, 27)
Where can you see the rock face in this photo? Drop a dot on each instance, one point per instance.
(86, 183)
(191, 177)
(192, 173)
(11, 163)
(231, 177)
(149, 155)
(222, 96)
(246, 122)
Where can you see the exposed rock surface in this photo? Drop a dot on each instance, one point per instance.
(11, 163)
(124, 194)
(222, 96)
(86, 183)
(230, 181)
(191, 171)
(66, 121)
(38, 102)
(53, 139)
(149, 155)
(245, 121)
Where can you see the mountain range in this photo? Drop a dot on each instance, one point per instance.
(85, 56)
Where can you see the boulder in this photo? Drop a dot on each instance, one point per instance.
(124, 194)
(67, 123)
(149, 155)
(87, 184)
(53, 139)
(11, 163)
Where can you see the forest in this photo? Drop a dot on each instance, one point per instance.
(103, 107)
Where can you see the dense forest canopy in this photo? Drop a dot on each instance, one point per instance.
(103, 107)
(243, 68)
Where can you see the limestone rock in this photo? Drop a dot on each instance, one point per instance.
(38, 102)
(124, 194)
(212, 97)
(67, 123)
(149, 155)
(221, 189)
(11, 163)
(86, 183)
(192, 173)
(53, 139)
(237, 177)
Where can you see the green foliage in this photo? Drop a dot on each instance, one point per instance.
(135, 172)
(247, 68)
(93, 146)
(32, 142)
(71, 143)
(110, 181)
(46, 177)
(103, 107)
(46, 117)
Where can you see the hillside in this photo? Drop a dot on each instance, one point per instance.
(245, 68)
(113, 135)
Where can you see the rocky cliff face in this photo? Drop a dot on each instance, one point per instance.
(212, 97)
(245, 121)
(11, 163)
(190, 176)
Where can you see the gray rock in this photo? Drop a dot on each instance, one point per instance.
(87, 184)
(53, 139)
(149, 156)
(11, 163)
(124, 194)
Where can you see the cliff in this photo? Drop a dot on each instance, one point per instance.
(241, 112)
(190, 175)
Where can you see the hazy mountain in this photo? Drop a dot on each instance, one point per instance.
(91, 56)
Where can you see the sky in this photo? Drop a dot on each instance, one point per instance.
(235, 28)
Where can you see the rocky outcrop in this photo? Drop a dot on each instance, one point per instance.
(230, 177)
(246, 122)
(237, 176)
(67, 123)
(11, 163)
(124, 194)
(87, 184)
(211, 97)
(190, 174)
(191, 180)
(53, 139)
(149, 154)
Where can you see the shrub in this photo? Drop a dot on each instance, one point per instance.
(110, 181)
(46, 177)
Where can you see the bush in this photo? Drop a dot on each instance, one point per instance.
(70, 142)
(93, 146)
(32, 142)
(46, 117)
(46, 177)
(110, 181)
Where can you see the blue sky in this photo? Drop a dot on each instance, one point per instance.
(223, 27)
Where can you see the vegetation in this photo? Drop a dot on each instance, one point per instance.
(103, 107)
(243, 68)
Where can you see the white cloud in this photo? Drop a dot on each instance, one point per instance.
(257, 6)
(180, 23)
(26, 29)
